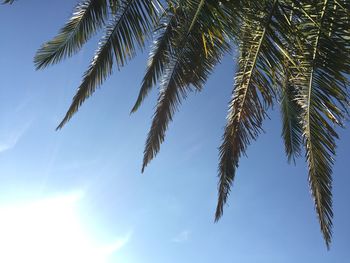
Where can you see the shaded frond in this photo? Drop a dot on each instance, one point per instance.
(159, 56)
(87, 18)
(189, 67)
(290, 111)
(128, 30)
(162, 47)
(253, 92)
(323, 97)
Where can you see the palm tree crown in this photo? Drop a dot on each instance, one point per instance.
(292, 53)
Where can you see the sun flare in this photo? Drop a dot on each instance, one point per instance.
(48, 230)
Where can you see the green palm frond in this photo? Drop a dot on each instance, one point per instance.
(290, 111)
(160, 54)
(323, 97)
(253, 92)
(190, 65)
(162, 48)
(172, 88)
(129, 29)
(87, 18)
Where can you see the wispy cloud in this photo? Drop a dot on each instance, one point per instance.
(117, 245)
(17, 122)
(182, 237)
(8, 144)
(10, 137)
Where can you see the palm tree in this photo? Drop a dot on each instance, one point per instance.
(292, 53)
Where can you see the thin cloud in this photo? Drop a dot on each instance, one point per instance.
(182, 237)
(17, 124)
(12, 136)
(117, 245)
(8, 144)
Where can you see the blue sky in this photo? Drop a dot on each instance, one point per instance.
(165, 214)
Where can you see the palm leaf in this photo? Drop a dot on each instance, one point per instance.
(323, 98)
(162, 49)
(173, 88)
(290, 111)
(189, 67)
(87, 18)
(128, 30)
(159, 56)
(253, 92)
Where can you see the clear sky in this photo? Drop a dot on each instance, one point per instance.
(90, 170)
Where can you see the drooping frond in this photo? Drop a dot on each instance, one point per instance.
(253, 91)
(173, 87)
(128, 30)
(162, 48)
(323, 96)
(190, 65)
(159, 56)
(87, 18)
(290, 111)
(288, 83)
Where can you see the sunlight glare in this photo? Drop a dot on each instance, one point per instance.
(48, 230)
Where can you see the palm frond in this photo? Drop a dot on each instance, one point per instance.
(253, 93)
(189, 67)
(173, 87)
(159, 56)
(290, 111)
(162, 48)
(129, 29)
(87, 18)
(323, 98)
